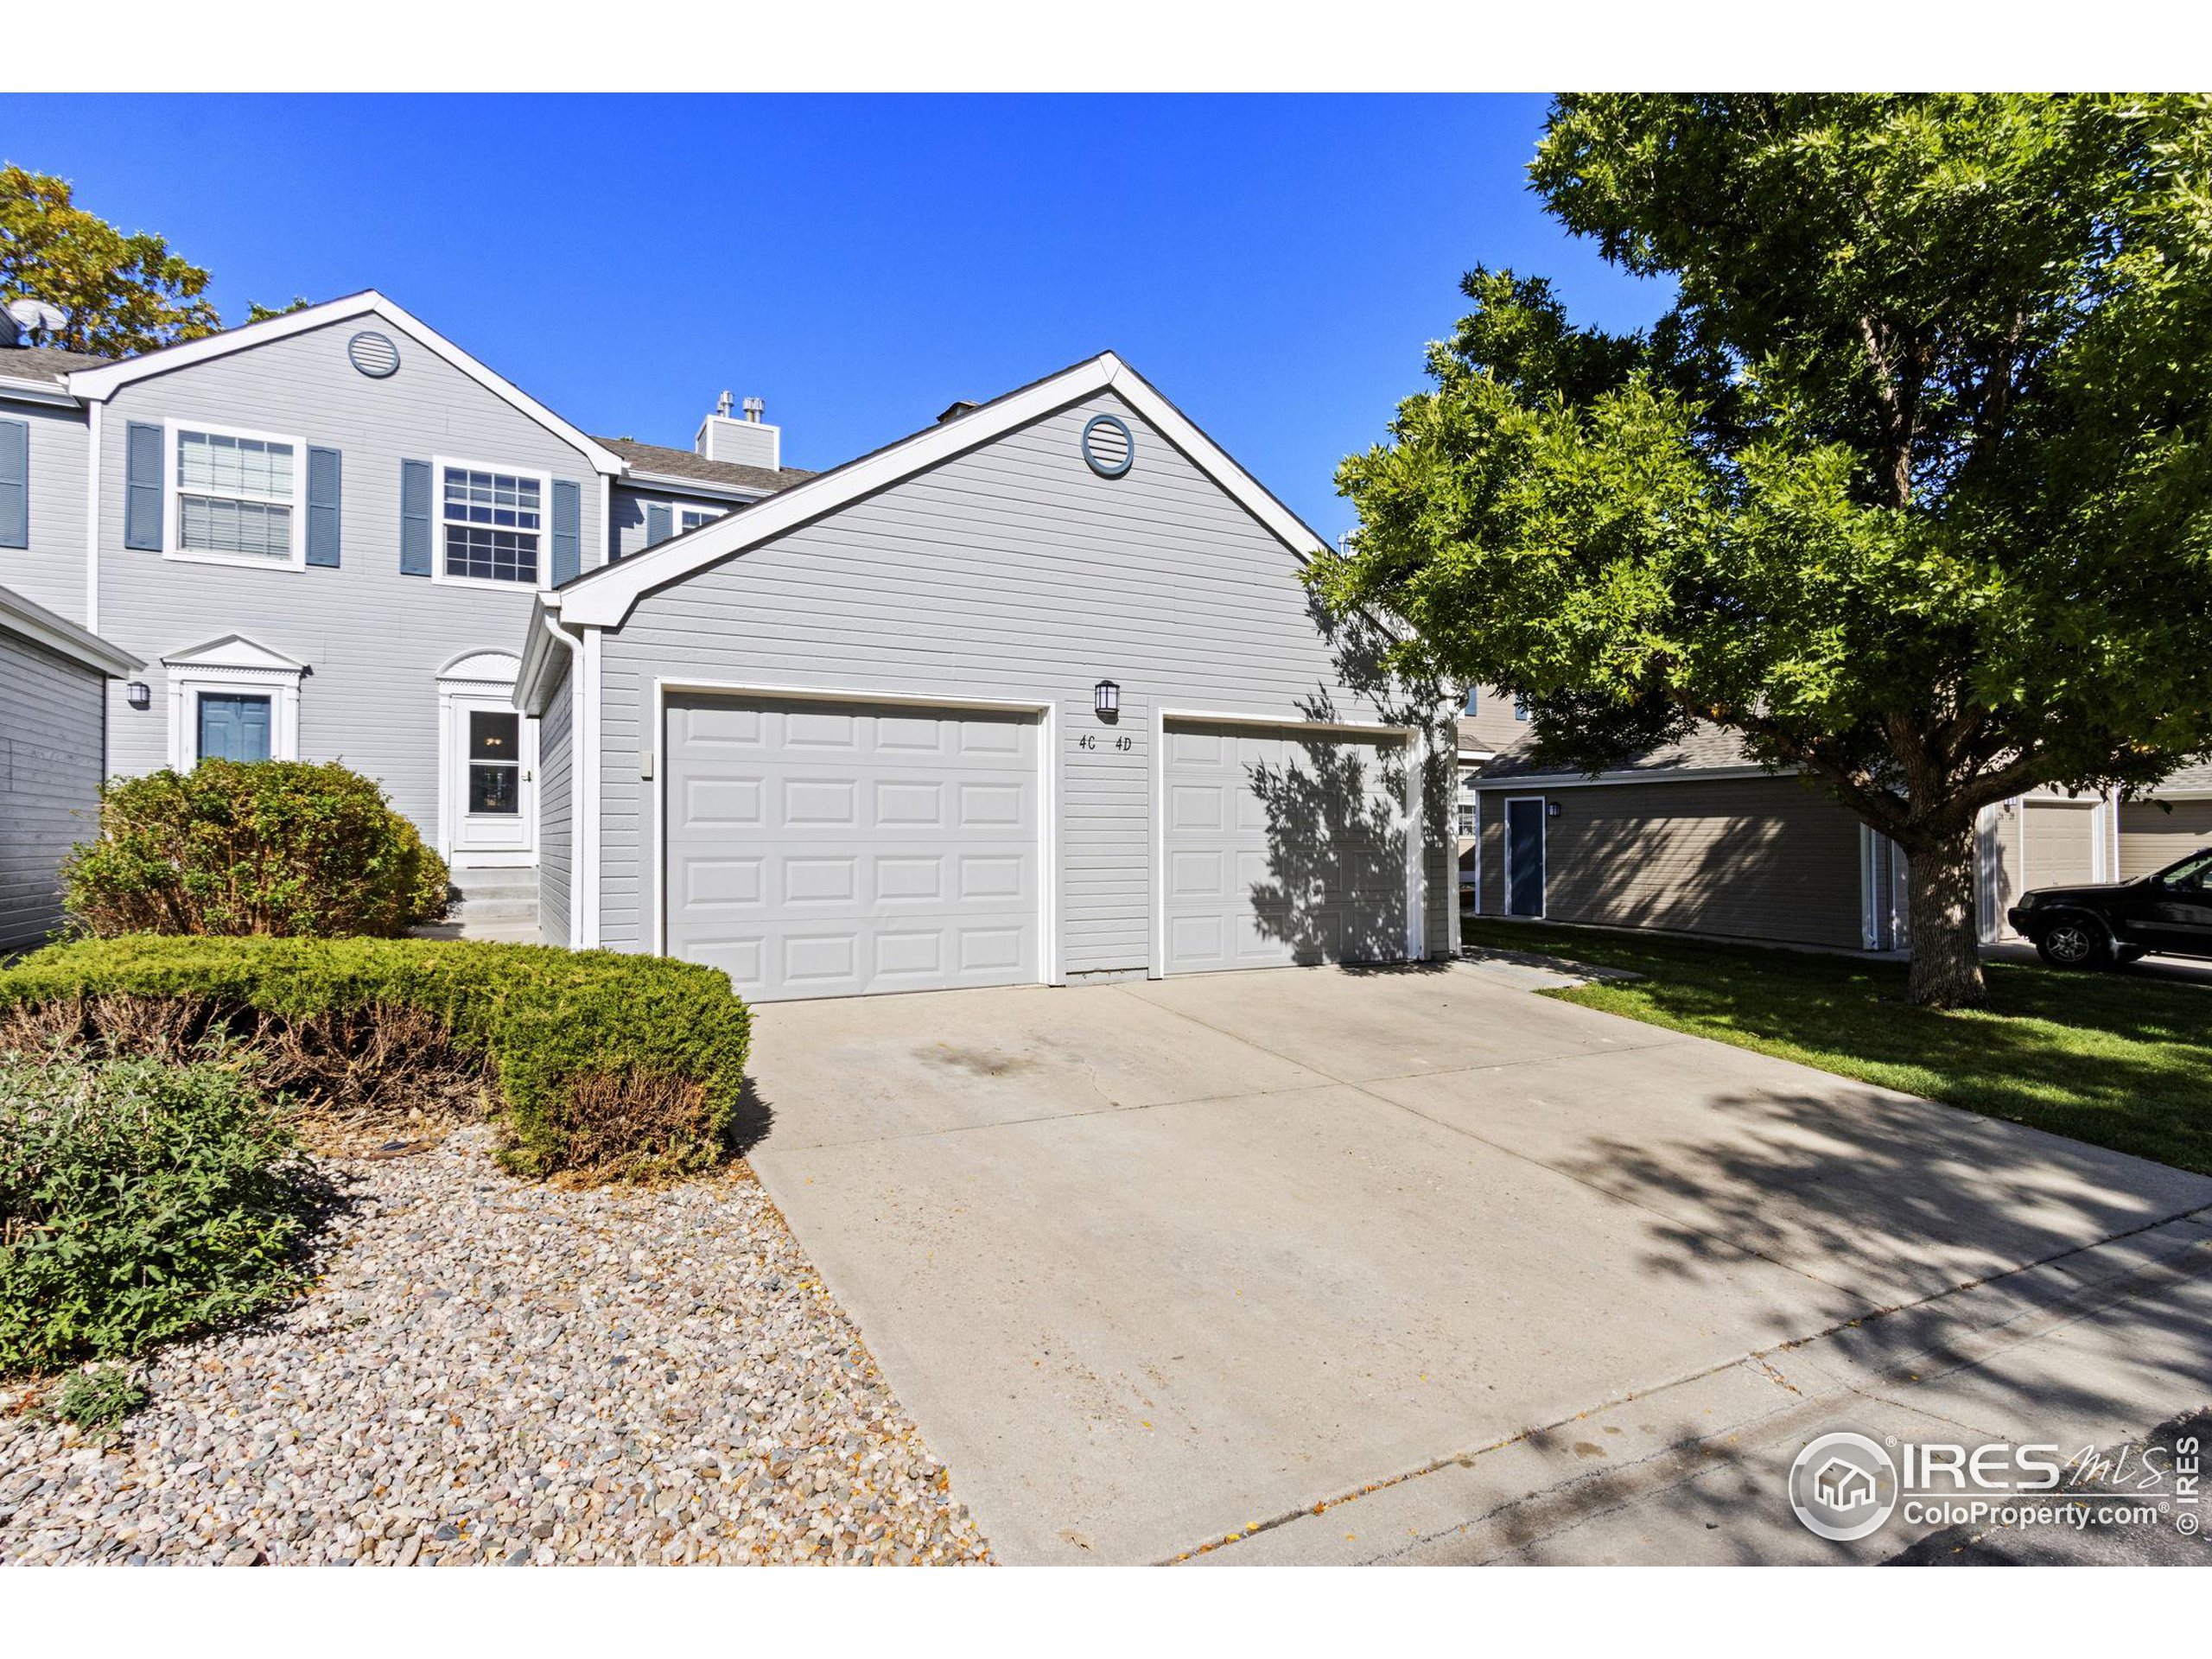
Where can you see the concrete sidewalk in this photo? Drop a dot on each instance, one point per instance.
(1154, 1264)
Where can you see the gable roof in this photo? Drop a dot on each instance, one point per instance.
(663, 462)
(97, 383)
(603, 598)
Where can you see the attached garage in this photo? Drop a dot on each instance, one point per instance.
(1035, 696)
(1281, 847)
(820, 849)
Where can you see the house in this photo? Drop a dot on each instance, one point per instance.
(1033, 695)
(1698, 838)
(53, 679)
(322, 533)
(1843, 1485)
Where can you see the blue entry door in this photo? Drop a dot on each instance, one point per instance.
(233, 728)
(1524, 858)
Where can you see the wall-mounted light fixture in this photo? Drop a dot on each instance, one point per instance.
(1106, 698)
(1553, 809)
(141, 694)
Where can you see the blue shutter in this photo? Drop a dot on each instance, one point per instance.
(141, 485)
(568, 531)
(656, 526)
(414, 517)
(326, 474)
(15, 484)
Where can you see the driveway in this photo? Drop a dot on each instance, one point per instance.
(1157, 1263)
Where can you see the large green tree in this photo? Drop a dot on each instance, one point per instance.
(1911, 488)
(118, 295)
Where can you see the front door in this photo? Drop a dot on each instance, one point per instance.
(1524, 858)
(233, 727)
(488, 779)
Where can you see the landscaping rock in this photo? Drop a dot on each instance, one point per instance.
(495, 1371)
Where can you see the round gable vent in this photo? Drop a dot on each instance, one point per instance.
(372, 353)
(1108, 446)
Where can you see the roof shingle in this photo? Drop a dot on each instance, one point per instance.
(683, 463)
(44, 363)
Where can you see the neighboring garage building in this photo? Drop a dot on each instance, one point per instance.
(2175, 819)
(52, 756)
(1033, 696)
(1695, 838)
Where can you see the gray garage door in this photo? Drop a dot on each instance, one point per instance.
(832, 849)
(1282, 848)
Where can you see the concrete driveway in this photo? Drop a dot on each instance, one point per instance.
(1158, 1263)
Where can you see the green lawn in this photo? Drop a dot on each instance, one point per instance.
(2111, 1059)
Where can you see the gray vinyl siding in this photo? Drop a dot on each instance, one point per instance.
(556, 754)
(1756, 858)
(1012, 572)
(49, 779)
(2151, 837)
(373, 639)
(629, 515)
(51, 570)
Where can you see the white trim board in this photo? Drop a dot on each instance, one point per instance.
(652, 831)
(234, 664)
(19, 616)
(603, 598)
(1543, 858)
(97, 385)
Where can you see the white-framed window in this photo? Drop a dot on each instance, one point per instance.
(1466, 817)
(1520, 708)
(236, 497)
(691, 518)
(493, 525)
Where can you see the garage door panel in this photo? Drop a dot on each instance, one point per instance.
(818, 850)
(1280, 849)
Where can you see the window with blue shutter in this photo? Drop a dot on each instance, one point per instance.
(142, 485)
(568, 531)
(658, 525)
(15, 484)
(326, 480)
(414, 517)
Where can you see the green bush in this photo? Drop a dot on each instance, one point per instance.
(262, 846)
(139, 1201)
(600, 1064)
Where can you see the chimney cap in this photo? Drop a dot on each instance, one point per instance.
(722, 404)
(953, 411)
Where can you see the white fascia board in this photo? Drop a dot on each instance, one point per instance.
(676, 484)
(19, 616)
(1529, 782)
(537, 652)
(603, 598)
(16, 390)
(98, 385)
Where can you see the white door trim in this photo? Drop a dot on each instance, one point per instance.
(654, 764)
(1416, 841)
(1543, 858)
(455, 698)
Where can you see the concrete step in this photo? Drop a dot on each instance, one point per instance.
(477, 907)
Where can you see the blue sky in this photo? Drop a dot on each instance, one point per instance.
(1272, 265)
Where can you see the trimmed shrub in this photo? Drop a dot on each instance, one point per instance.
(139, 1201)
(598, 1064)
(261, 847)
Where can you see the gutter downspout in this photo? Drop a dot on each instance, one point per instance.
(577, 876)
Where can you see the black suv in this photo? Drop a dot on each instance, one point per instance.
(2118, 921)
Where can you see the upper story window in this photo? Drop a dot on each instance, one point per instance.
(238, 496)
(691, 518)
(1520, 708)
(491, 525)
(1474, 697)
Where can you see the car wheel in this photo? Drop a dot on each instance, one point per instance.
(2073, 942)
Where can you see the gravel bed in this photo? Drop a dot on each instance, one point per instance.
(492, 1370)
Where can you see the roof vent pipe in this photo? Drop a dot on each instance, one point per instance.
(755, 409)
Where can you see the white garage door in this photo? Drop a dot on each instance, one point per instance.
(1282, 848)
(832, 849)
